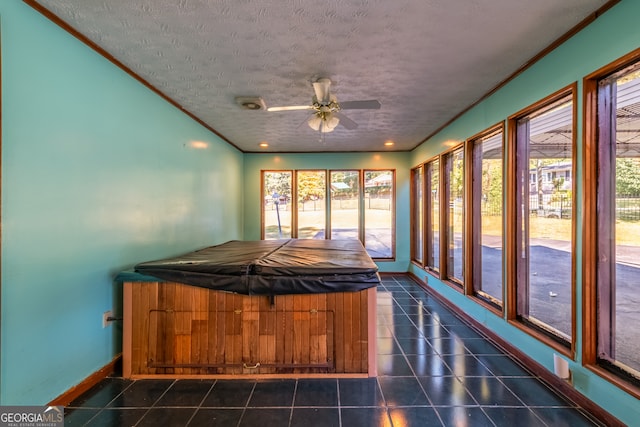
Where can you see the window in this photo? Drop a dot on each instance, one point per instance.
(311, 189)
(454, 219)
(612, 220)
(276, 202)
(432, 183)
(454, 194)
(361, 206)
(543, 242)
(417, 215)
(378, 213)
(345, 205)
(486, 215)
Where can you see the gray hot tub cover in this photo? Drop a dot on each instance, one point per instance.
(272, 267)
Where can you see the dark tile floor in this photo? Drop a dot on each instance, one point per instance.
(433, 370)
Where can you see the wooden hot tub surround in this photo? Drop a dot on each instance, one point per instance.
(266, 307)
(176, 330)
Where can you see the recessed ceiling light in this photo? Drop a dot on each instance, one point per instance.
(263, 145)
(388, 143)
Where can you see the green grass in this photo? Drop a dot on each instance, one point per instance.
(627, 232)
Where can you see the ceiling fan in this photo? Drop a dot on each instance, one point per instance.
(326, 109)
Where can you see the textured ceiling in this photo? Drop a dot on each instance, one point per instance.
(424, 60)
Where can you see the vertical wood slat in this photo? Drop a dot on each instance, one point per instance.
(210, 349)
(221, 327)
(304, 327)
(146, 293)
(233, 334)
(297, 329)
(198, 331)
(347, 331)
(322, 355)
(198, 341)
(127, 328)
(372, 322)
(238, 314)
(174, 303)
(213, 347)
(338, 331)
(250, 339)
(280, 330)
(154, 298)
(158, 330)
(180, 339)
(137, 333)
(314, 327)
(288, 330)
(364, 331)
(266, 335)
(356, 332)
(331, 333)
(201, 326)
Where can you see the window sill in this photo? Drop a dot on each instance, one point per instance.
(615, 380)
(567, 351)
(498, 310)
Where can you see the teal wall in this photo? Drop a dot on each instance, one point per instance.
(98, 173)
(610, 37)
(254, 163)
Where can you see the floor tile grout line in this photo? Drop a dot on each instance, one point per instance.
(536, 415)
(144, 415)
(165, 392)
(519, 398)
(246, 404)
(293, 401)
(196, 408)
(339, 403)
(201, 402)
(384, 399)
(101, 409)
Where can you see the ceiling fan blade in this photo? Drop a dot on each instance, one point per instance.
(346, 121)
(321, 88)
(291, 108)
(371, 104)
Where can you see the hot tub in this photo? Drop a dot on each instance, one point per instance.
(256, 308)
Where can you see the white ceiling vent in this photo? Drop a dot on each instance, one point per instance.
(251, 103)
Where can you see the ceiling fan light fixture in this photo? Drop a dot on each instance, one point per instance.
(331, 121)
(315, 122)
(321, 88)
(323, 122)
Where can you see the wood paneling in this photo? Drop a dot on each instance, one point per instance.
(179, 330)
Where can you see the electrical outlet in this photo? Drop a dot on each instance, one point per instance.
(105, 318)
